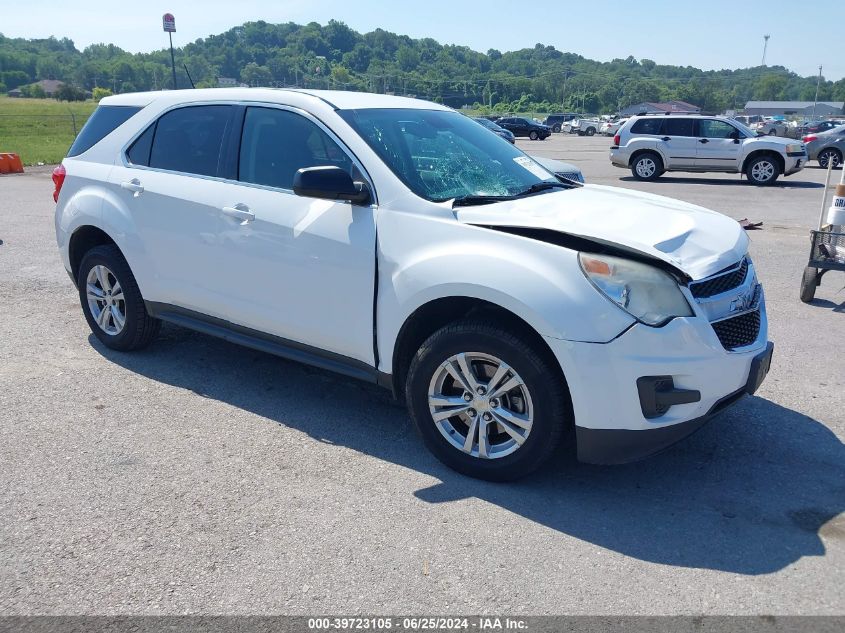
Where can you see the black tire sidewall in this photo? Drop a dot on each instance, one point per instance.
(809, 281)
(550, 418)
(658, 166)
(110, 258)
(750, 167)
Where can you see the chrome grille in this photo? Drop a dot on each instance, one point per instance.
(720, 283)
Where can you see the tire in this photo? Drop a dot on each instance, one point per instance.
(809, 281)
(485, 344)
(762, 171)
(533, 135)
(556, 128)
(591, 131)
(647, 166)
(773, 133)
(103, 276)
(828, 154)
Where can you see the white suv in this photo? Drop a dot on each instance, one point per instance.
(652, 145)
(399, 242)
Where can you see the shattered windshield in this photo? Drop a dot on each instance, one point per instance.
(441, 155)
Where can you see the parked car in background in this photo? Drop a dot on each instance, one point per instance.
(397, 242)
(771, 127)
(556, 121)
(652, 145)
(584, 127)
(827, 147)
(748, 120)
(816, 127)
(496, 129)
(560, 168)
(610, 128)
(522, 127)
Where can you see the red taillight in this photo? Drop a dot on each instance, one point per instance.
(59, 174)
(616, 140)
(807, 139)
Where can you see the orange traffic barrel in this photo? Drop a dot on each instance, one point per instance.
(10, 164)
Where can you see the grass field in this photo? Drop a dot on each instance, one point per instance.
(40, 130)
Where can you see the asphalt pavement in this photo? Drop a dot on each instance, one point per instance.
(200, 477)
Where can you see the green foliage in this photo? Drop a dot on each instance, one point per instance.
(311, 55)
(69, 92)
(99, 93)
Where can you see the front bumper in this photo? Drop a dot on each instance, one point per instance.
(611, 421)
(794, 163)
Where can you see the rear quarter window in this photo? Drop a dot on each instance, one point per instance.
(647, 126)
(105, 120)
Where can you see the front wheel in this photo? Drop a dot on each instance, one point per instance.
(647, 166)
(556, 128)
(486, 401)
(112, 302)
(533, 135)
(591, 131)
(762, 171)
(828, 155)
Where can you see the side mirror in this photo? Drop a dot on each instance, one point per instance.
(329, 183)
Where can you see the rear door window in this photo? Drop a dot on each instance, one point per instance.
(650, 125)
(190, 139)
(678, 127)
(105, 120)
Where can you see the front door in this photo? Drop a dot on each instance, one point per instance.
(719, 146)
(299, 268)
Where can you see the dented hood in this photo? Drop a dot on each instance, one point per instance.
(695, 240)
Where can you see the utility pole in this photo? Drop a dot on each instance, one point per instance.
(765, 46)
(816, 100)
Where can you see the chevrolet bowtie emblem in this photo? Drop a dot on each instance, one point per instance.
(744, 301)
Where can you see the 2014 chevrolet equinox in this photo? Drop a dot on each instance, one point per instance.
(397, 241)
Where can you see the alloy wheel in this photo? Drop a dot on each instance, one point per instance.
(105, 300)
(646, 167)
(480, 405)
(763, 171)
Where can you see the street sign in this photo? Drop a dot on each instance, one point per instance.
(168, 22)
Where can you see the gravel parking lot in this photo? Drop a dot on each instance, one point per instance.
(199, 477)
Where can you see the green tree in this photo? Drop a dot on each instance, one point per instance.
(255, 75)
(99, 93)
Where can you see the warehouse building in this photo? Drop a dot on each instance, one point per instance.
(793, 108)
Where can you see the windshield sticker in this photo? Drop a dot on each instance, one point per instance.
(530, 165)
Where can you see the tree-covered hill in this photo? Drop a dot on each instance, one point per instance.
(335, 56)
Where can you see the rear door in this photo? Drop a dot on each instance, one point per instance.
(678, 142)
(169, 184)
(719, 146)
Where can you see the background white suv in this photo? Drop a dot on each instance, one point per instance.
(652, 145)
(399, 242)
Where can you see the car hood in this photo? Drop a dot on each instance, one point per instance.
(692, 239)
(776, 140)
(554, 165)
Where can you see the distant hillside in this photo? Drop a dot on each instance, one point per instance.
(539, 78)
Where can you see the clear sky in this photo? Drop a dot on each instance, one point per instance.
(713, 34)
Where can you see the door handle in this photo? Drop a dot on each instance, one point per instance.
(703, 140)
(666, 138)
(239, 212)
(133, 185)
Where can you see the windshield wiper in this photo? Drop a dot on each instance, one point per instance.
(543, 186)
(466, 201)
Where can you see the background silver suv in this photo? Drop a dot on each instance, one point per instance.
(652, 145)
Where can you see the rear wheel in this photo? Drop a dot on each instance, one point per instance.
(762, 171)
(112, 302)
(809, 282)
(533, 135)
(486, 401)
(828, 155)
(647, 166)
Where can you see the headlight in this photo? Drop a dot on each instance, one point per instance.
(646, 293)
(794, 148)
